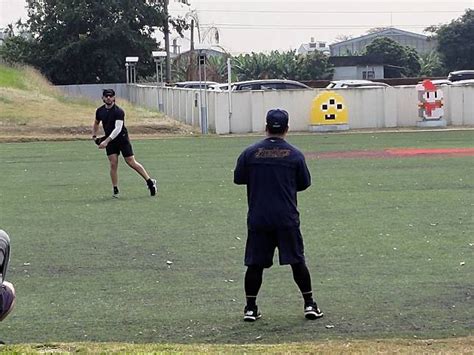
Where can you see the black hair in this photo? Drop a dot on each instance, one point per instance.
(279, 130)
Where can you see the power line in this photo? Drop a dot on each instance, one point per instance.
(309, 12)
(299, 27)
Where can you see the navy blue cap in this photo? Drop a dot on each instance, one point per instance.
(277, 119)
(109, 92)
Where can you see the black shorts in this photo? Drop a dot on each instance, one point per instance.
(261, 245)
(120, 145)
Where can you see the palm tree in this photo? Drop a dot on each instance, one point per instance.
(431, 64)
(285, 65)
(253, 66)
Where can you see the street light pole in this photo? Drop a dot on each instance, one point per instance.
(229, 91)
(166, 30)
(130, 64)
(158, 57)
(203, 107)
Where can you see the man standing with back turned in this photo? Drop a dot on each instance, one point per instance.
(274, 171)
(116, 140)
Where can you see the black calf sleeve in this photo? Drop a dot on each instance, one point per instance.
(302, 277)
(253, 280)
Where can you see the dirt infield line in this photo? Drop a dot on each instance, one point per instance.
(391, 153)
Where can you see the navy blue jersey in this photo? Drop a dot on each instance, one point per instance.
(108, 116)
(274, 171)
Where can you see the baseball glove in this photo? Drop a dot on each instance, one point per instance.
(99, 140)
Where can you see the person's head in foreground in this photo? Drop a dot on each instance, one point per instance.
(277, 122)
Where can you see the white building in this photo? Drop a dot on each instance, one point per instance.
(312, 46)
(356, 46)
(357, 67)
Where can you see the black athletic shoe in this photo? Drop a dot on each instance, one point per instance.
(152, 187)
(251, 314)
(116, 192)
(312, 311)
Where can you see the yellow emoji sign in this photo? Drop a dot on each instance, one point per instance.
(328, 108)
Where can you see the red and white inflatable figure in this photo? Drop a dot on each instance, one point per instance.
(430, 101)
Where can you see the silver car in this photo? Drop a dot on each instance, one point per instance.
(195, 84)
(266, 84)
(340, 84)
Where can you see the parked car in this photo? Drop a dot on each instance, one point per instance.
(467, 82)
(195, 84)
(268, 84)
(442, 82)
(461, 75)
(339, 84)
(439, 82)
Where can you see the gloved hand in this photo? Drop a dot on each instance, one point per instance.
(99, 140)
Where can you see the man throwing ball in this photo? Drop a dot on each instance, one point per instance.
(274, 171)
(116, 140)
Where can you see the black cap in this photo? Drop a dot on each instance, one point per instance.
(109, 92)
(277, 119)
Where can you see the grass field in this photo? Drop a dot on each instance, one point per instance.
(389, 243)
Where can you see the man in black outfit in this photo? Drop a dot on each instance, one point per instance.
(7, 291)
(116, 140)
(274, 171)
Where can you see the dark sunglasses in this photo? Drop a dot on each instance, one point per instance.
(109, 95)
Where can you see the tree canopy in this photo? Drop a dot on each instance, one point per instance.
(283, 65)
(401, 59)
(456, 42)
(86, 41)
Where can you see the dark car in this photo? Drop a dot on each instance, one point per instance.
(461, 75)
(269, 84)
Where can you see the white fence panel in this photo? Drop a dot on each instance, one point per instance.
(368, 107)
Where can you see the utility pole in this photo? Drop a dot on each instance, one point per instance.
(166, 30)
(192, 35)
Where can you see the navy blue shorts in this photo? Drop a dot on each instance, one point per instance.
(120, 145)
(261, 245)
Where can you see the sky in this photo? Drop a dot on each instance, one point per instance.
(261, 26)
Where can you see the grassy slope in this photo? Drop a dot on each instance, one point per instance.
(30, 105)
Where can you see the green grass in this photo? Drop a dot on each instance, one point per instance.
(11, 77)
(50, 112)
(384, 241)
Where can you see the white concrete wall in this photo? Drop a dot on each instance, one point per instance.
(94, 91)
(368, 107)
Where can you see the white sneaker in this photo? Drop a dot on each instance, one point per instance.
(251, 314)
(312, 312)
